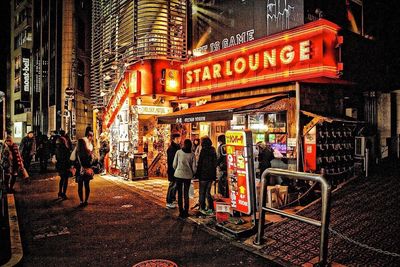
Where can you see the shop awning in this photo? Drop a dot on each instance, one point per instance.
(219, 110)
(322, 118)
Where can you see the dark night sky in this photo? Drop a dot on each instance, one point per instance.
(4, 42)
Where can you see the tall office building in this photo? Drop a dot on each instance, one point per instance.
(126, 31)
(50, 48)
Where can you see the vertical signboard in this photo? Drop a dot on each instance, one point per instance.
(25, 75)
(239, 170)
(310, 150)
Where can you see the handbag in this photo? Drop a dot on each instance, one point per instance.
(24, 173)
(85, 172)
(72, 171)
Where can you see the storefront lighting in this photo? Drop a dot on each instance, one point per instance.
(114, 65)
(107, 77)
(172, 84)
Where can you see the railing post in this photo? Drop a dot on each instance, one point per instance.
(261, 220)
(325, 218)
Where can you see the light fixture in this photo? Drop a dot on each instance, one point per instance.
(107, 77)
(114, 65)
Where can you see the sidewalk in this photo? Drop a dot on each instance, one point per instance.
(118, 228)
(365, 210)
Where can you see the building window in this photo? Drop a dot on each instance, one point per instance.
(19, 108)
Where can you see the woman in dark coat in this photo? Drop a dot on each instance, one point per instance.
(206, 173)
(63, 165)
(84, 159)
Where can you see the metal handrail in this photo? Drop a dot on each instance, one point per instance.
(325, 215)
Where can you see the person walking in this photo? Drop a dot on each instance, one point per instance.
(43, 152)
(28, 149)
(265, 156)
(171, 151)
(206, 173)
(11, 161)
(185, 167)
(103, 151)
(63, 152)
(83, 161)
(222, 168)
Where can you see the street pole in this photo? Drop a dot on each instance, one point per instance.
(3, 99)
(4, 118)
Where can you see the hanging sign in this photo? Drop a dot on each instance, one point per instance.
(238, 170)
(25, 75)
(119, 96)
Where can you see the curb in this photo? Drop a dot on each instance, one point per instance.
(15, 237)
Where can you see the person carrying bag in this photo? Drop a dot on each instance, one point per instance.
(83, 158)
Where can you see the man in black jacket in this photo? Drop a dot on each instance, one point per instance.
(171, 151)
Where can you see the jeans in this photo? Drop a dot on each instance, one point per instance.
(62, 188)
(171, 193)
(80, 189)
(205, 192)
(9, 181)
(223, 185)
(185, 183)
(27, 161)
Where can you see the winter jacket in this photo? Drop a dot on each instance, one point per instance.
(63, 153)
(11, 160)
(207, 164)
(184, 165)
(264, 158)
(171, 151)
(27, 147)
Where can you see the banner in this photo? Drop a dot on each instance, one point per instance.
(25, 75)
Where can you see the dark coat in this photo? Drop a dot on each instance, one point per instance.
(171, 151)
(264, 158)
(27, 147)
(207, 164)
(63, 153)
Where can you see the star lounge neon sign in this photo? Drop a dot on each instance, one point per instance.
(301, 53)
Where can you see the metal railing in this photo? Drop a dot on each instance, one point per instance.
(325, 215)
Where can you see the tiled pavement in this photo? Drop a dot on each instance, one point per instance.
(365, 210)
(154, 188)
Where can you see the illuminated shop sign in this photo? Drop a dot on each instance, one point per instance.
(25, 74)
(301, 53)
(238, 170)
(153, 110)
(115, 103)
(233, 40)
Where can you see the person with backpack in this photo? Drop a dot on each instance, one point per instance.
(63, 152)
(185, 167)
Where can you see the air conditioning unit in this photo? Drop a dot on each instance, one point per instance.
(360, 143)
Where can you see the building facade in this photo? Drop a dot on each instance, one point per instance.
(136, 49)
(50, 52)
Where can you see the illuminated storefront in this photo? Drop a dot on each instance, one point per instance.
(261, 85)
(142, 93)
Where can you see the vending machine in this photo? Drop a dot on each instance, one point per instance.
(329, 146)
